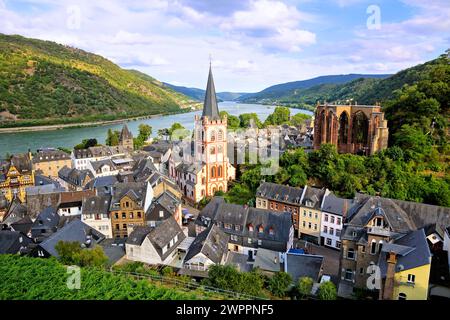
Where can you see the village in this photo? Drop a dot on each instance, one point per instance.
(164, 205)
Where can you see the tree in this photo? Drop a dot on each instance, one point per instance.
(86, 143)
(233, 122)
(299, 119)
(178, 132)
(304, 286)
(280, 115)
(112, 138)
(327, 291)
(246, 119)
(144, 133)
(280, 283)
(71, 252)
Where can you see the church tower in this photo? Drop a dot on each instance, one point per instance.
(211, 144)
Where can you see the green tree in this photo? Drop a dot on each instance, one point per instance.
(246, 119)
(112, 138)
(280, 283)
(70, 252)
(233, 122)
(144, 133)
(304, 286)
(299, 119)
(327, 291)
(280, 115)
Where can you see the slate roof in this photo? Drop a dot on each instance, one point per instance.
(336, 205)
(23, 225)
(98, 151)
(303, 265)
(96, 205)
(97, 165)
(412, 251)
(11, 242)
(267, 260)
(76, 230)
(160, 236)
(279, 192)
(22, 162)
(16, 211)
(165, 201)
(135, 190)
(222, 213)
(101, 182)
(46, 222)
(125, 133)
(210, 107)
(314, 195)
(50, 155)
(74, 176)
(143, 169)
(212, 242)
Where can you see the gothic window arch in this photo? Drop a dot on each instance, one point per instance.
(220, 150)
(343, 128)
(360, 127)
(220, 135)
(219, 171)
(212, 150)
(213, 172)
(213, 135)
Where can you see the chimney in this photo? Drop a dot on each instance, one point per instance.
(388, 289)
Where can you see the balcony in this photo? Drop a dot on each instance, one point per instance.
(379, 231)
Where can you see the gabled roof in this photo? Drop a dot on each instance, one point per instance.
(125, 134)
(16, 211)
(212, 242)
(336, 205)
(313, 195)
(412, 251)
(23, 225)
(135, 190)
(303, 265)
(76, 230)
(210, 107)
(50, 155)
(280, 193)
(12, 241)
(96, 205)
(96, 165)
(74, 176)
(22, 162)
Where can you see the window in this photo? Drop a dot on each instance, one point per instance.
(338, 244)
(361, 270)
(161, 214)
(250, 228)
(325, 218)
(363, 249)
(124, 215)
(328, 242)
(325, 229)
(338, 221)
(261, 229)
(351, 254)
(348, 274)
(237, 227)
(271, 231)
(411, 278)
(220, 135)
(304, 213)
(332, 219)
(315, 226)
(131, 215)
(139, 214)
(249, 240)
(331, 231)
(373, 247)
(309, 225)
(124, 226)
(117, 227)
(304, 224)
(402, 296)
(227, 226)
(259, 242)
(315, 215)
(338, 233)
(310, 214)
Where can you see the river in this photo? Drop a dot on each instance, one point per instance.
(23, 141)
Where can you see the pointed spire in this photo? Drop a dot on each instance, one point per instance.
(210, 108)
(125, 133)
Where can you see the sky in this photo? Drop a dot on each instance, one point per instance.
(252, 44)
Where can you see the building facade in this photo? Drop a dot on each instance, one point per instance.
(205, 168)
(334, 210)
(16, 176)
(49, 161)
(310, 215)
(357, 129)
(126, 139)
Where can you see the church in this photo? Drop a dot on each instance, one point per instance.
(207, 168)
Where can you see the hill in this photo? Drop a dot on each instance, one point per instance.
(293, 91)
(42, 82)
(199, 94)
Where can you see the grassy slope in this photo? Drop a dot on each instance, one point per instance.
(43, 82)
(27, 278)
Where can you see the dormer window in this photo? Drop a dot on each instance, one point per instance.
(309, 203)
(261, 229)
(377, 222)
(271, 231)
(250, 228)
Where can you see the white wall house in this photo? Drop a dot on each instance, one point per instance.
(333, 210)
(96, 214)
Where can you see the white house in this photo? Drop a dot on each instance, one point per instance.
(82, 157)
(102, 168)
(96, 214)
(209, 247)
(155, 245)
(333, 212)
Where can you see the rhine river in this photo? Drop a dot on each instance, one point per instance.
(23, 141)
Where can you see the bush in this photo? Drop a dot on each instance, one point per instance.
(71, 253)
(327, 291)
(280, 283)
(304, 286)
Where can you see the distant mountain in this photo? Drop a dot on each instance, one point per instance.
(199, 94)
(42, 82)
(293, 91)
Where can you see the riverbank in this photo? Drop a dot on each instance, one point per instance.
(51, 127)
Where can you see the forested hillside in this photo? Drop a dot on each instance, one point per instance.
(43, 82)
